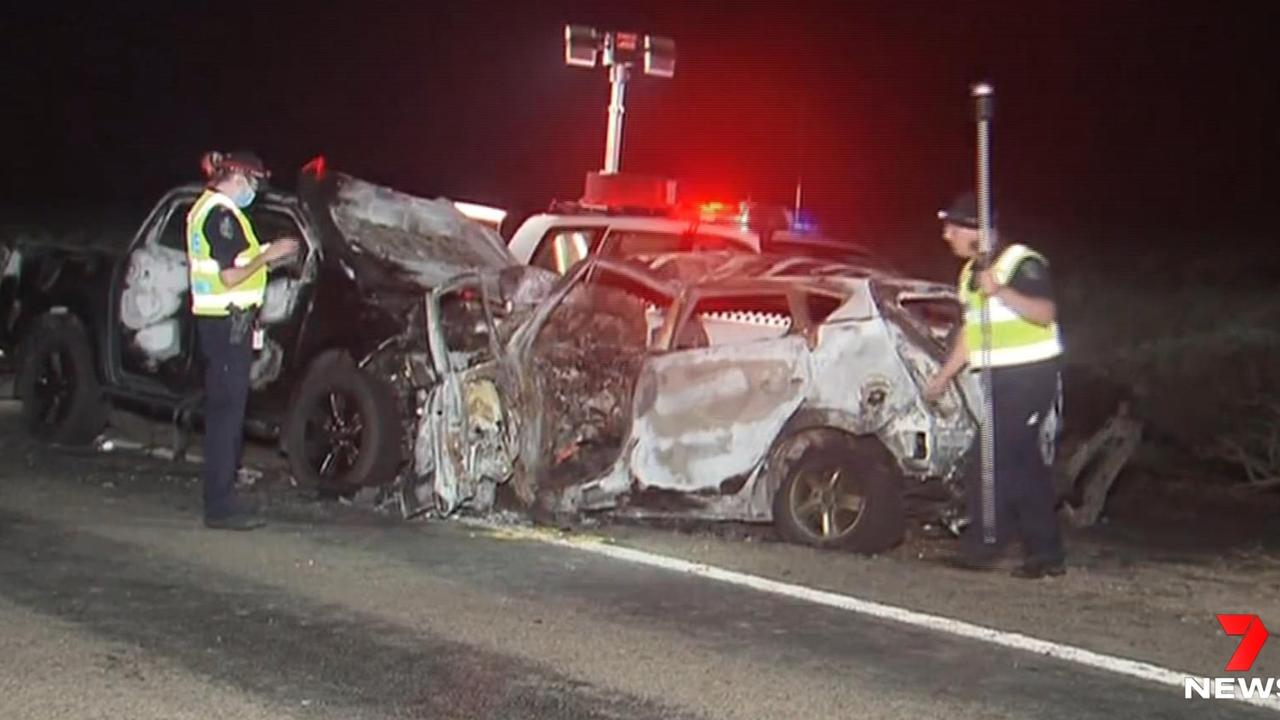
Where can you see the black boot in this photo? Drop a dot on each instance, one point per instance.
(238, 521)
(1034, 569)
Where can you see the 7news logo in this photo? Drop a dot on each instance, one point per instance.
(1253, 634)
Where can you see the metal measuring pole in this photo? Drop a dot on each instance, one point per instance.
(983, 97)
(618, 76)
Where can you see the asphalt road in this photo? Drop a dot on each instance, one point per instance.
(115, 603)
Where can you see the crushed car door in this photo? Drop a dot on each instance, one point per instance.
(937, 317)
(10, 275)
(465, 444)
(709, 413)
(926, 320)
(289, 287)
(153, 329)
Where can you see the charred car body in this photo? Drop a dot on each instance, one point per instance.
(345, 357)
(715, 386)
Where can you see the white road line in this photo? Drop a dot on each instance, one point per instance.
(939, 623)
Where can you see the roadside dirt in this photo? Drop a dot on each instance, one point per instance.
(1172, 551)
(1144, 584)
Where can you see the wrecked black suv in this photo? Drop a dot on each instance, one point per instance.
(345, 362)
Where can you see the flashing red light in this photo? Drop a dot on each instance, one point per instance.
(316, 166)
(718, 211)
(700, 210)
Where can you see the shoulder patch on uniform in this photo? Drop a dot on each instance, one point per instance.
(225, 228)
(1033, 269)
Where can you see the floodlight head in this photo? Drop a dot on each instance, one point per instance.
(621, 52)
(659, 56)
(621, 48)
(581, 45)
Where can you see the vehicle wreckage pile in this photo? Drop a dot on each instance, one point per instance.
(757, 388)
(591, 357)
(720, 385)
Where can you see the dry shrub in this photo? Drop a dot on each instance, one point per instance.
(1198, 344)
(1252, 443)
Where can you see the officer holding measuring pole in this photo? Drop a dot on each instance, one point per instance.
(1011, 336)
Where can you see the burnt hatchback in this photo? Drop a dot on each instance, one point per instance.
(712, 386)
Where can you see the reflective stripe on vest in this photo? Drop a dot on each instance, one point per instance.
(209, 296)
(1014, 339)
(216, 305)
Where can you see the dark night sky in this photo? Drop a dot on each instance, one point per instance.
(1135, 116)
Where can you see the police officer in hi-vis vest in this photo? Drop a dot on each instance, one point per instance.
(1024, 355)
(228, 271)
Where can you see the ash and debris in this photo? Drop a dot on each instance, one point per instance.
(587, 358)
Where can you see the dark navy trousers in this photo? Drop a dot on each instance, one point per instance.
(1024, 449)
(226, 383)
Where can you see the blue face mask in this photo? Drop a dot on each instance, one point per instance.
(244, 198)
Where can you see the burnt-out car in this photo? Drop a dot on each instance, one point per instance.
(746, 388)
(345, 362)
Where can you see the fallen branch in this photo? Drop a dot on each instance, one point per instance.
(1257, 486)
(1254, 448)
(1096, 464)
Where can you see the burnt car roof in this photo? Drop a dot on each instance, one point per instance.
(700, 269)
(425, 241)
(739, 274)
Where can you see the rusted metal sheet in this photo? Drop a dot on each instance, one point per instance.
(461, 444)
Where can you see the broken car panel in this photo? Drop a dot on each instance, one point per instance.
(672, 385)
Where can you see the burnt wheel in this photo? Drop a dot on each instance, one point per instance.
(343, 430)
(843, 496)
(61, 400)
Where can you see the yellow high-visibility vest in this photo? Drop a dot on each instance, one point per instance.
(209, 296)
(1014, 339)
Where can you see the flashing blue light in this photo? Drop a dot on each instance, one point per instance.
(804, 222)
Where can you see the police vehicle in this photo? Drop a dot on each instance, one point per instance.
(622, 215)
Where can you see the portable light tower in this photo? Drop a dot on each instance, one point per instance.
(620, 52)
